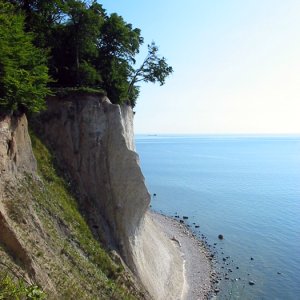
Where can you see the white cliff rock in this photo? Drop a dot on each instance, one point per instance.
(94, 141)
(158, 262)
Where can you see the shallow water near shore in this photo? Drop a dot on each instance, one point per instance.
(246, 188)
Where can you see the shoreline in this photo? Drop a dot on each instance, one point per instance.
(197, 260)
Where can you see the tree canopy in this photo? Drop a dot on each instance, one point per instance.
(85, 47)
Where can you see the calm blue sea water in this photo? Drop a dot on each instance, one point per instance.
(246, 188)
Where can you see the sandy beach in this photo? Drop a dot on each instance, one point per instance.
(198, 271)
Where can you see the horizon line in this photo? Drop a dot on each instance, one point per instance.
(232, 134)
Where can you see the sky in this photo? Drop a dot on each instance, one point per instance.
(236, 65)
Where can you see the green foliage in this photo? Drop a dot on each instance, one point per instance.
(23, 73)
(153, 69)
(87, 74)
(12, 289)
(119, 39)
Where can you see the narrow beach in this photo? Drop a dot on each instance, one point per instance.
(197, 265)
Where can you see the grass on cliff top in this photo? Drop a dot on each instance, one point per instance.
(81, 269)
(67, 91)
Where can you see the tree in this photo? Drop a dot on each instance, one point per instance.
(23, 71)
(118, 44)
(69, 30)
(153, 69)
(83, 29)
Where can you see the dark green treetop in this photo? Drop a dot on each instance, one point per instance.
(76, 46)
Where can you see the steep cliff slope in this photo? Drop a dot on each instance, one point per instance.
(43, 237)
(93, 141)
(92, 175)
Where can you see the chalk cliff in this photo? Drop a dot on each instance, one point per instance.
(94, 141)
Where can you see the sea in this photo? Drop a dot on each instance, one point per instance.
(246, 188)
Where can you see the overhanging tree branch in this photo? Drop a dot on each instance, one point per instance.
(153, 69)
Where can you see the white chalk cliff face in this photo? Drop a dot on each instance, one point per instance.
(93, 140)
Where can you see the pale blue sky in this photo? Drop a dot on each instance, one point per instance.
(236, 65)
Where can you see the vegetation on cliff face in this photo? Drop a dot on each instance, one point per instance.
(59, 241)
(12, 288)
(85, 46)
